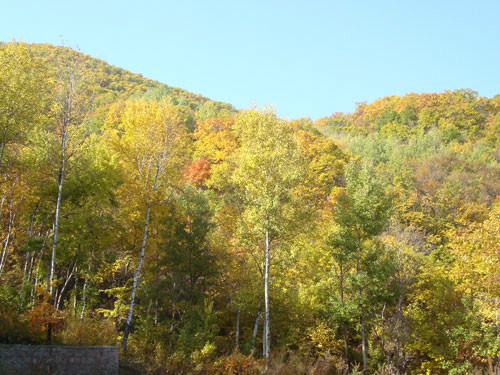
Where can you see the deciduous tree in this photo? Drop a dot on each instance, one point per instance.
(268, 169)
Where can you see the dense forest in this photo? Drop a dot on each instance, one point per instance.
(202, 239)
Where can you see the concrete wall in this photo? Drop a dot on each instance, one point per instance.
(58, 360)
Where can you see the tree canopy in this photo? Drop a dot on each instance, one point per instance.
(204, 239)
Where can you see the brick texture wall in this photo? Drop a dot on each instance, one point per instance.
(58, 360)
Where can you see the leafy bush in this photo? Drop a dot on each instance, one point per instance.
(239, 364)
(35, 326)
(13, 327)
(88, 332)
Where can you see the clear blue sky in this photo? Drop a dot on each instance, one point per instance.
(309, 58)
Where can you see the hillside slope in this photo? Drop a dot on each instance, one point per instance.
(117, 84)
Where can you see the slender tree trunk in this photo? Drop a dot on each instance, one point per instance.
(136, 280)
(491, 370)
(237, 333)
(69, 275)
(156, 286)
(75, 297)
(173, 308)
(2, 259)
(25, 271)
(362, 324)
(267, 322)
(37, 273)
(1, 216)
(156, 311)
(27, 265)
(75, 294)
(1, 205)
(6, 244)
(56, 296)
(264, 339)
(344, 328)
(84, 292)
(255, 328)
(4, 140)
(346, 347)
(39, 262)
(172, 321)
(363, 346)
(191, 274)
(56, 218)
(85, 283)
(30, 267)
(399, 354)
(84, 297)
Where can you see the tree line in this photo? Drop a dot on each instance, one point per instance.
(200, 238)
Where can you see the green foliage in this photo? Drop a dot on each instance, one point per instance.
(364, 208)
(389, 225)
(14, 327)
(196, 338)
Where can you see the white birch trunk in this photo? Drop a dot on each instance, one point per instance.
(84, 297)
(267, 322)
(57, 215)
(60, 294)
(84, 291)
(37, 273)
(25, 271)
(136, 280)
(6, 244)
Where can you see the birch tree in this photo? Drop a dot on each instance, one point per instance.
(150, 143)
(72, 98)
(267, 169)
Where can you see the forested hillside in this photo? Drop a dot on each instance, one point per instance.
(202, 239)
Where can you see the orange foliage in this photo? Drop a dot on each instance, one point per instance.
(44, 319)
(197, 172)
(239, 364)
(36, 326)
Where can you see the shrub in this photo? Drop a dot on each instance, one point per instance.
(88, 332)
(239, 364)
(13, 327)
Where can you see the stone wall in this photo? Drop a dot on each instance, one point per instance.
(58, 360)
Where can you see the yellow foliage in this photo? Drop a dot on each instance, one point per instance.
(476, 251)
